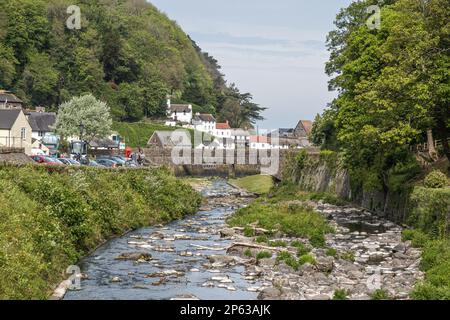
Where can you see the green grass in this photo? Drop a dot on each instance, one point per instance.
(288, 259)
(435, 263)
(52, 216)
(263, 255)
(293, 220)
(380, 294)
(258, 184)
(341, 294)
(137, 134)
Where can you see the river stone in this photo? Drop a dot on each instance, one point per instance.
(269, 294)
(267, 263)
(325, 264)
(221, 260)
(135, 256)
(401, 248)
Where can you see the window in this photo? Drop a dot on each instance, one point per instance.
(40, 134)
(23, 133)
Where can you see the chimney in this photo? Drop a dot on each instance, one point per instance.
(40, 109)
(190, 107)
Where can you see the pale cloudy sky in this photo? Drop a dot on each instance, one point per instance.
(272, 49)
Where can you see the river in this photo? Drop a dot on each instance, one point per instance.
(179, 267)
(199, 257)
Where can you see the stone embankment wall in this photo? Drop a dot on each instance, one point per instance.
(318, 175)
(13, 156)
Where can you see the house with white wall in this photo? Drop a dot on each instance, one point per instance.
(259, 142)
(178, 113)
(204, 123)
(15, 131)
(41, 123)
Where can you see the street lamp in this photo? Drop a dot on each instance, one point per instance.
(81, 131)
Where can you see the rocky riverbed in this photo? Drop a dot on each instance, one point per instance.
(200, 257)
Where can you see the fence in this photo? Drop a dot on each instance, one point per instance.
(12, 142)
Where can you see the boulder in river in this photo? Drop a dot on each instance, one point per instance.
(269, 294)
(135, 256)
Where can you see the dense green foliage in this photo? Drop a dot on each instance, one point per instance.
(50, 217)
(126, 53)
(435, 263)
(393, 85)
(430, 211)
(436, 179)
(430, 216)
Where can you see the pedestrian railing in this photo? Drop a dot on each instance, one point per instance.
(12, 142)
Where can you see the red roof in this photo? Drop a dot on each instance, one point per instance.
(223, 126)
(260, 139)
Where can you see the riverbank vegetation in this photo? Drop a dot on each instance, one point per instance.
(51, 217)
(280, 212)
(260, 184)
(430, 218)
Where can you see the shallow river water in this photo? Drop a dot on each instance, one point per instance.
(179, 252)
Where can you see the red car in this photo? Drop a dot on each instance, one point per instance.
(47, 160)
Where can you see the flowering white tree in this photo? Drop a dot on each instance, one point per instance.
(84, 115)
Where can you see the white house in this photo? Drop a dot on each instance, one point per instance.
(15, 131)
(241, 137)
(41, 123)
(259, 142)
(204, 123)
(223, 130)
(178, 113)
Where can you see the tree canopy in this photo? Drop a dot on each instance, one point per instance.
(126, 53)
(84, 116)
(393, 82)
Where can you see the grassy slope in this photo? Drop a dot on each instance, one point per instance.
(137, 134)
(50, 217)
(258, 184)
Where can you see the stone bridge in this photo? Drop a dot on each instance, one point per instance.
(223, 163)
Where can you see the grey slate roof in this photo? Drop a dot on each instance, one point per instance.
(6, 95)
(8, 117)
(42, 121)
(180, 108)
(169, 139)
(206, 117)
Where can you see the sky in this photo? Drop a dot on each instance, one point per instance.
(273, 49)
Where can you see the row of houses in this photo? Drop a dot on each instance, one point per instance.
(23, 128)
(221, 136)
(32, 130)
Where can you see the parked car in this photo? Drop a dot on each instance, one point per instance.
(93, 163)
(116, 159)
(69, 162)
(107, 163)
(46, 160)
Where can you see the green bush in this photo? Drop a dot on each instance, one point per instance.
(331, 252)
(288, 259)
(430, 211)
(50, 217)
(341, 294)
(307, 258)
(263, 255)
(380, 294)
(435, 179)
